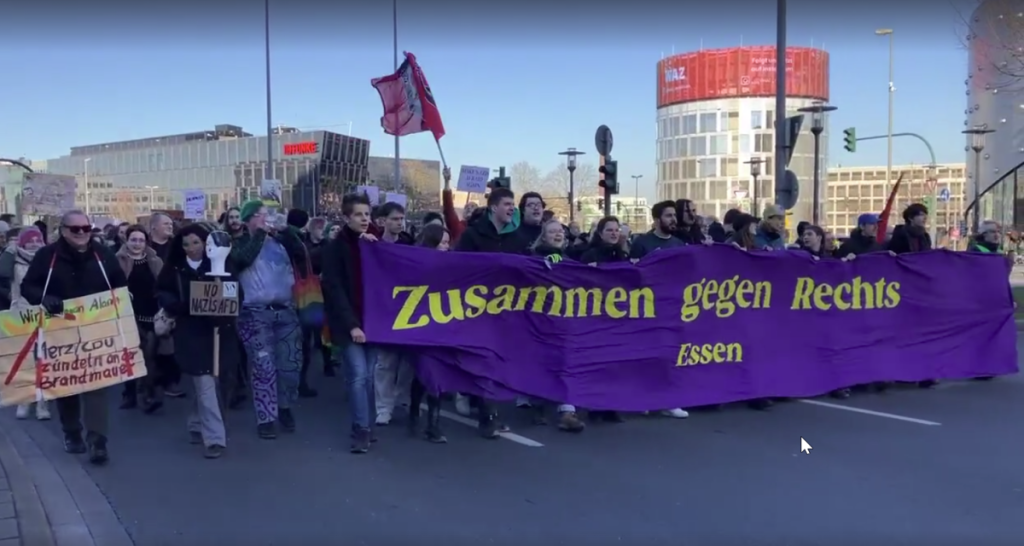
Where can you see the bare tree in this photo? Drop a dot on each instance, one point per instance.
(525, 177)
(584, 181)
(994, 34)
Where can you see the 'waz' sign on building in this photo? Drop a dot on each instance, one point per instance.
(675, 74)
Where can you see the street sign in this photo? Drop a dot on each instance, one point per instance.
(787, 192)
(603, 140)
(944, 195)
(930, 185)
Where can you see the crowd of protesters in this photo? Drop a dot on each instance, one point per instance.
(266, 352)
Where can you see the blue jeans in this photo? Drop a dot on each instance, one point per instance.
(360, 362)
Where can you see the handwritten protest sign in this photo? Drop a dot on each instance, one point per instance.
(372, 193)
(195, 204)
(44, 194)
(95, 344)
(213, 299)
(270, 192)
(473, 179)
(397, 198)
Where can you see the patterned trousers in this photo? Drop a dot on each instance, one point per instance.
(272, 338)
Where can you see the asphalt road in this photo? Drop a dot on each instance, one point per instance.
(908, 467)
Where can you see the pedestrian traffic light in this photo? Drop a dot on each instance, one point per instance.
(610, 170)
(850, 137)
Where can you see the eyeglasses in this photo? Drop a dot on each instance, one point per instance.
(78, 230)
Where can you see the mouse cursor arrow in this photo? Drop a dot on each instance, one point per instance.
(804, 446)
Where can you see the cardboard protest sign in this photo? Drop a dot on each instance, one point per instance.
(93, 345)
(213, 299)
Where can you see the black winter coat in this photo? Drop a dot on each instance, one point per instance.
(193, 336)
(337, 281)
(482, 236)
(75, 274)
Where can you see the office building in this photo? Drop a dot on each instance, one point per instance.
(995, 101)
(852, 191)
(315, 169)
(631, 211)
(421, 182)
(716, 113)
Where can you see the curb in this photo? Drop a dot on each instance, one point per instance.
(33, 526)
(78, 513)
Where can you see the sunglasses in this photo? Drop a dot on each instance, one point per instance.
(78, 230)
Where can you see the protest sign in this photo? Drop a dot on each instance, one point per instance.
(95, 344)
(44, 194)
(397, 198)
(690, 326)
(213, 299)
(473, 179)
(372, 193)
(270, 192)
(195, 204)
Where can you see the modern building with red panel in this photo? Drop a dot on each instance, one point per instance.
(716, 112)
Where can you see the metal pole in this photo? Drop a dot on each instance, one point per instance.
(753, 198)
(394, 30)
(269, 173)
(780, 97)
(977, 192)
(572, 195)
(816, 200)
(892, 90)
(88, 207)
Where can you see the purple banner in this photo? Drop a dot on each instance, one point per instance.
(690, 326)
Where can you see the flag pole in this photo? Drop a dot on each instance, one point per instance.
(440, 151)
(394, 29)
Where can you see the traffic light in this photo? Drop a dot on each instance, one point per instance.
(579, 206)
(610, 170)
(600, 202)
(850, 138)
(500, 181)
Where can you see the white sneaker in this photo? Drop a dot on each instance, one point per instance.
(523, 402)
(42, 411)
(383, 419)
(677, 413)
(22, 412)
(462, 405)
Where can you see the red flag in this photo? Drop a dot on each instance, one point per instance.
(883, 222)
(409, 105)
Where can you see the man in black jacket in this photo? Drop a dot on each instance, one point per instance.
(73, 267)
(496, 230)
(342, 284)
(863, 239)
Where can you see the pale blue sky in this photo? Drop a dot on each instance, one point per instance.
(512, 84)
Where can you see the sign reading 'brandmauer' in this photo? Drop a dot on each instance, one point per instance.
(213, 299)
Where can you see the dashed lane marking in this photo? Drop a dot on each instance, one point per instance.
(510, 436)
(863, 411)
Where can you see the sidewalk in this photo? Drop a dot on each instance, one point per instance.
(48, 500)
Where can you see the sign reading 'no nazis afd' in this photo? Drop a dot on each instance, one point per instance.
(689, 326)
(94, 344)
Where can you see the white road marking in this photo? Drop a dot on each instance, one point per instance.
(870, 412)
(510, 436)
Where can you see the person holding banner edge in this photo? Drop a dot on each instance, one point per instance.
(72, 267)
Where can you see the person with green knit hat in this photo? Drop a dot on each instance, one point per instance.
(268, 260)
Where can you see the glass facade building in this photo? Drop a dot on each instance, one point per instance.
(995, 100)
(229, 165)
(704, 147)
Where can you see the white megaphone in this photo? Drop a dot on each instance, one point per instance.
(218, 246)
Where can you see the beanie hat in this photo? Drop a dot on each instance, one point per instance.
(298, 218)
(249, 209)
(28, 235)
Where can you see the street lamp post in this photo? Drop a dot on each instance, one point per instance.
(892, 92)
(978, 134)
(85, 172)
(570, 164)
(932, 185)
(755, 172)
(636, 187)
(817, 111)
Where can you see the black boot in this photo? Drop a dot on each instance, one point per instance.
(98, 450)
(73, 443)
(129, 398)
(433, 433)
(416, 394)
(153, 400)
